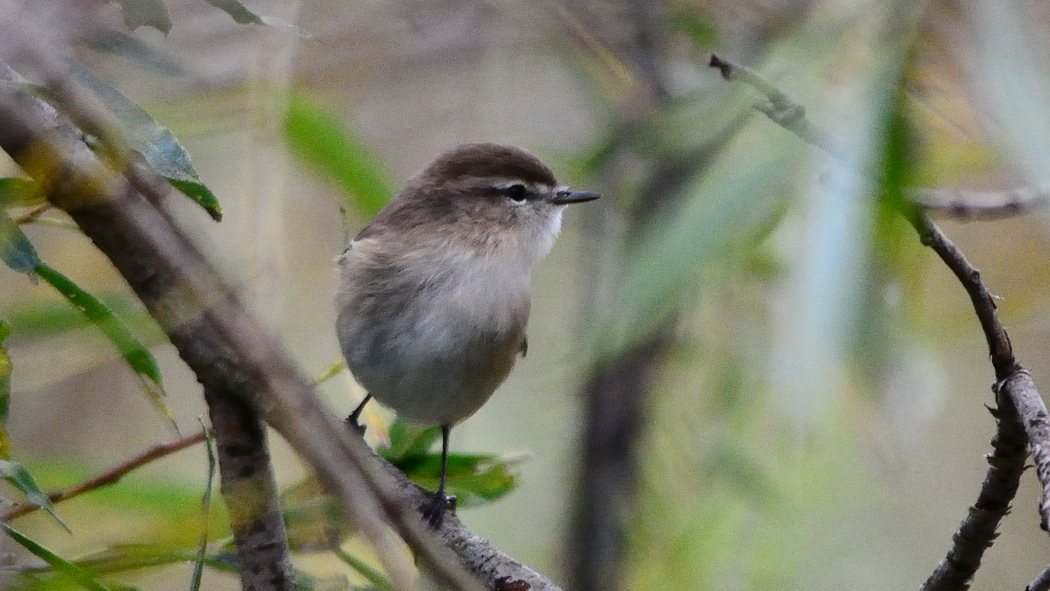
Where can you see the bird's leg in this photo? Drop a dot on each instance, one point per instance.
(434, 511)
(352, 419)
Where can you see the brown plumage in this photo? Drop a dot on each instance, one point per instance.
(434, 291)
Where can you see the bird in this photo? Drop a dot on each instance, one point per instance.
(433, 293)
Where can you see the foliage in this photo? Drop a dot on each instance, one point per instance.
(783, 278)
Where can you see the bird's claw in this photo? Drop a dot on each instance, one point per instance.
(434, 510)
(351, 421)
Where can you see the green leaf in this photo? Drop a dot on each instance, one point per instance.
(74, 572)
(330, 372)
(474, 479)
(235, 9)
(129, 557)
(17, 476)
(15, 249)
(727, 209)
(202, 548)
(151, 13)
(52, 317)
(136, 355)
(156, 143)
(374, 576)
(5, 390)
(409, 442)
(5, 387)
(200, 194)
(320, 138)
(19, 192)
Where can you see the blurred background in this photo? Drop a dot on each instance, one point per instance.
(744, 371)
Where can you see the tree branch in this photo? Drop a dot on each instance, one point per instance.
(249, 490)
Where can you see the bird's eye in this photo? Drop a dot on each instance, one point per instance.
(518, 192)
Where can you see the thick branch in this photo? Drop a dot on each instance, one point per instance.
(1031, 409)
(250, 492)
(978, 529)
(227, 348)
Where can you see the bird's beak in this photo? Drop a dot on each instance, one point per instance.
(567, 197)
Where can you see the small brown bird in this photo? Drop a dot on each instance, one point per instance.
(434, 291)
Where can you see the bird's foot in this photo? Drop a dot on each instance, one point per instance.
(434, 510)
(352, 422)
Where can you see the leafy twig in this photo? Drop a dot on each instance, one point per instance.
(1021, 409)
(111, 476)
(959, 203)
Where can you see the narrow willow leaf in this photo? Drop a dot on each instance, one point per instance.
(374, 576)
(132, 557)
(727, 208)
(82, 577)
(17, 476)
(18, 192)
(235, 9)
(54, 317)
(202, 547)
(150, 13)
(15, 249)
(156, 143)
(330, 372)
(5, 390)
(475, 480)
(409, 442)
(136, 355)
(200, 194)
(320, 138)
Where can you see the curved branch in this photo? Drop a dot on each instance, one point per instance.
(1021, 408)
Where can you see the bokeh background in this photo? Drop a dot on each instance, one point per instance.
(785, 389)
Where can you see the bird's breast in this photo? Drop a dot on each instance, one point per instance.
(435, 338)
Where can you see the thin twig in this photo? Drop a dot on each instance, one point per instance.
(954, 202)
(969, 204)
(780, 108)
(999, 347)
(111, 476)
(32, 214)
(1021, 408)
